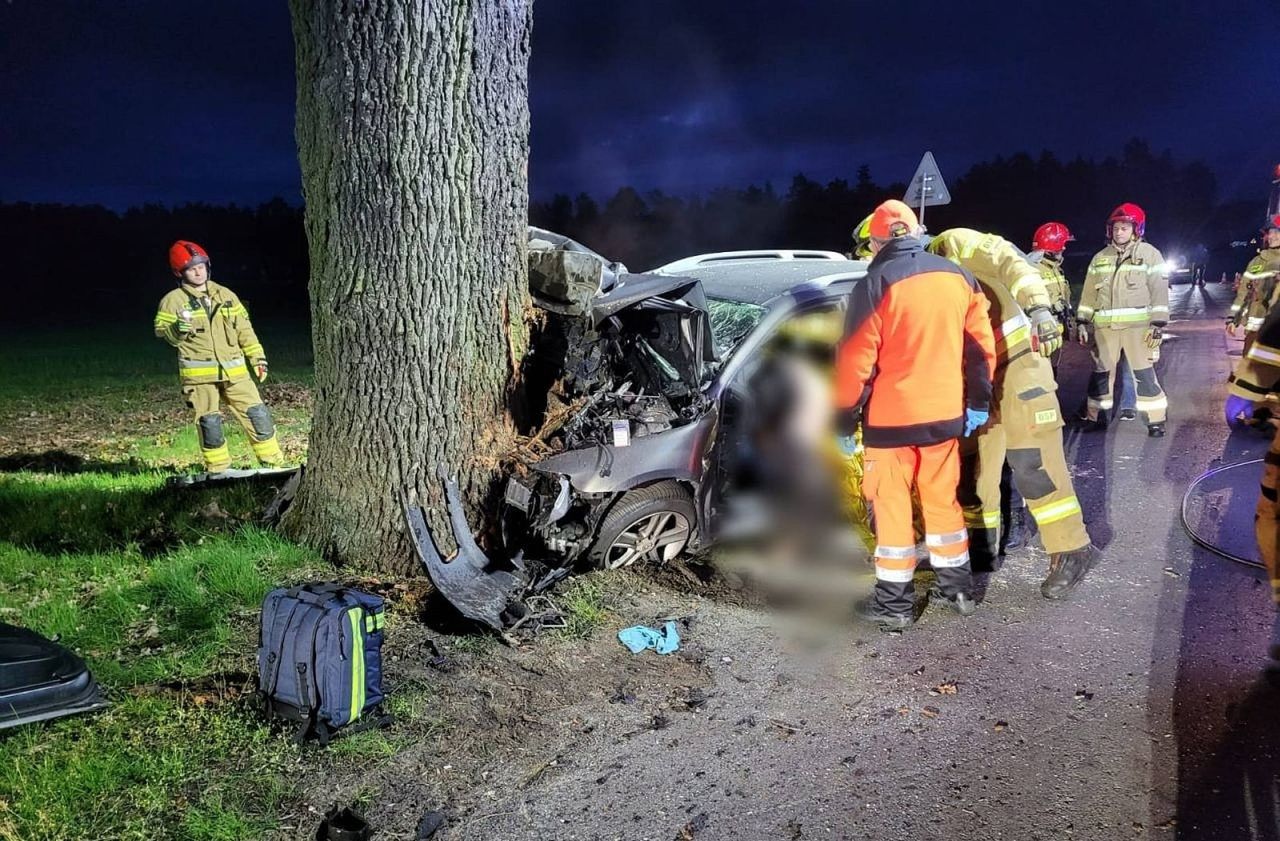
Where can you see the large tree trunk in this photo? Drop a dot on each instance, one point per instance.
(413, 127)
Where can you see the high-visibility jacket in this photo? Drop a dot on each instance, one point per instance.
(1012, 285)
(1257, 287)
(1055, 280)
(917, 348)
(221, 344)
(1125, 287)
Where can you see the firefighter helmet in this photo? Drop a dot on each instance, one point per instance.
(1272, 224)
(862, 239)
(893, 219)
(1051, 236)
(184, 254)
(1129, 212)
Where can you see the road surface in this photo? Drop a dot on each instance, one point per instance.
(1135, 710)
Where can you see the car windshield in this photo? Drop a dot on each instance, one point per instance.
(731, 321)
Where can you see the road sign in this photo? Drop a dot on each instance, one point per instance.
(927, 189)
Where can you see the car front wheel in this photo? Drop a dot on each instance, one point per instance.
(653, 524)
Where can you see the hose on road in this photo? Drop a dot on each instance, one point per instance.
(1199, 539)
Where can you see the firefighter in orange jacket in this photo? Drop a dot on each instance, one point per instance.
(915, 369)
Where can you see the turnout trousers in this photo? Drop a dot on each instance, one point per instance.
(1109, 344)
(1267, 521)
(889, 477)
(1026, 431)
(242, 398)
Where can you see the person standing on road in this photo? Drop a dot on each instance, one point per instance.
(1026, 424)
(1255, 294)
(1257, 374)
(216, 348)
(915, 368)
(1048, 244)
(1122, 314)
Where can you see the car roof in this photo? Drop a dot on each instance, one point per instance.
(760, 277)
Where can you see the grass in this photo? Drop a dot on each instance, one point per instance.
(157, 588)
(585, 604)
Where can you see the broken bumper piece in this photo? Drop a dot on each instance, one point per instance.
(480, 588)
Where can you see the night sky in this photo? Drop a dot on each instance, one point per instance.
(132, 101)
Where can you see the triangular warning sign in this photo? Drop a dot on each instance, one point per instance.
(927, 187)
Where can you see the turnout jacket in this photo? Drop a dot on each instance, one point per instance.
(1257, 289)
(1125, 287)
(1055, 280)
(1012, 285)
(221, 344)
(917, 349)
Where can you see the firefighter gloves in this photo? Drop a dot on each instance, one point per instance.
(1155, 334)
(1048, 330)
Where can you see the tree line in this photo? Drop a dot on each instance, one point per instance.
(75, 263)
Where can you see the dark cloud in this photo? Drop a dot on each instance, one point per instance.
(170, 101)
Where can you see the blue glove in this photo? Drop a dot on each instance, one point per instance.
(974, 418)
(848, 445)
(1237, 406)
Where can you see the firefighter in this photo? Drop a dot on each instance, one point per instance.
(1123, 312)
(1047, 245)
(1256, 291)
(216, 349)
(915, 367)
(1026, 427)
(1257, 374)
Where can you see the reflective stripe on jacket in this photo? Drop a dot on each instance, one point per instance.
(917, 348)
(1125, 288)
(221, 343)
(1012, 285)
(1257, 286)
(1055, 280)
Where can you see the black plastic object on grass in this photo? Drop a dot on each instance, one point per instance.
(343, 825)
(480, 588)
(40, 679)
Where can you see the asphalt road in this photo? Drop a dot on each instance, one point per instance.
(1135, 710)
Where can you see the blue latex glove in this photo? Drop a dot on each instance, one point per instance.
(639, 637)
(974, 418)
(848, 445)
(1237, 406)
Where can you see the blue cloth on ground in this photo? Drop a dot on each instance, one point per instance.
(639, 637)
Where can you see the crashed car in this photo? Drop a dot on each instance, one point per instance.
(650, 386)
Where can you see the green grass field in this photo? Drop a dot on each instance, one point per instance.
(157, 588)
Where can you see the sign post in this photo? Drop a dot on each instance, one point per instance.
(927, 188)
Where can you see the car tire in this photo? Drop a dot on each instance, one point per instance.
(653, 524)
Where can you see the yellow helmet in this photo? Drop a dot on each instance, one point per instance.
(862, 239)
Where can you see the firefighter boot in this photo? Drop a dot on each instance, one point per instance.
(1022, 529)
(961, 602)
(1067, 569)
(870, 611)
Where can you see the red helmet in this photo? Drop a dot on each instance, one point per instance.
(1051, 236)
(1272, 224)
(184, 254)
(1129, 212)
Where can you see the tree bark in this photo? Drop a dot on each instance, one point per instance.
(412, 129)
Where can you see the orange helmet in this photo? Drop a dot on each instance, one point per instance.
(184, 254)
(1129, 212)
(893, 219)
(1051, 236)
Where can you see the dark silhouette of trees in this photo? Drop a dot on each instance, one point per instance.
(261, 251)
